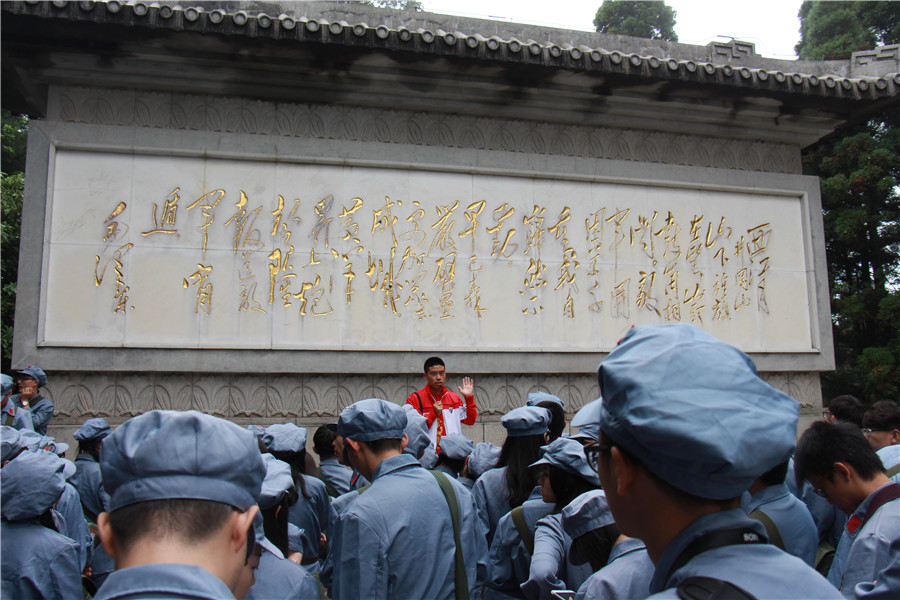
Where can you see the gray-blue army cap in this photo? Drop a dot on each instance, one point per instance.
(535, 397)
(416, 432)
(10, 441)
(692, 409)
(31, 483)
(567, 454)
(585, 513)
(165, 454)
(284, 438)
(35, 373)
(372, 419)
(92, 429)
(456, 446)
(526, 420)
(483, 458)
(277, 482)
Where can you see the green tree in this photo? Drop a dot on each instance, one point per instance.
(859, 174)
(834, 30)
(652, 20)
(12, 161)
(395, 4)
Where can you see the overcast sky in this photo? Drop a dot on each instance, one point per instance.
(770, 24)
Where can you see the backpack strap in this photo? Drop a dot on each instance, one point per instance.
(709, 588)
(771, 527)
(421, 408)
(461, 581)
(893, 470)
(362, 489)
(518, 517)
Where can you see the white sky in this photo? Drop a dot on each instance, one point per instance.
(770, 24)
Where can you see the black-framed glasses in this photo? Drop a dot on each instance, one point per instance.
(867, 431)
(592, 453)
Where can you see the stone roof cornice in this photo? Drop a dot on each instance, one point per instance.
(868, 75)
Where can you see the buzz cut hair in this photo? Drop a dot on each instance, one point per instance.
(434, 361)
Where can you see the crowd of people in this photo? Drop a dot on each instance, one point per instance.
(684, 480)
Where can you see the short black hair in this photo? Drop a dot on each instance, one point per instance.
(557, 418)
(883, 416)
(192, 521)
(824, 444)
(434, 361)
(847, 409)
(383, 445)
(454, 464)
(323, 441)
(567, 486)
(776, 475)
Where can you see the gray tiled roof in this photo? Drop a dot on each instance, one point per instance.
(868, 75)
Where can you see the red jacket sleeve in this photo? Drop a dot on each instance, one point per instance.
(471, 411)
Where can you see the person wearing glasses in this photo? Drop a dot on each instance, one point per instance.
(843, 467)
(686, 426)
(881, 426)
(845, 409)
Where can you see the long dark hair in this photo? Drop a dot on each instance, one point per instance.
(91, 447)
(567, 486)
(275, 522)
(596, 545)
(517, 455)
(297, 460)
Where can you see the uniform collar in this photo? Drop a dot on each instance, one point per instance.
(176, 580)
(766, 495)
(624, 547)
(857, 519)
(394, 463)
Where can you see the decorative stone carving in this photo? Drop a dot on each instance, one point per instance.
(735, 50)
(235, 115)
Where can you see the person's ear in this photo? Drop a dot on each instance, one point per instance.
(404, 442)
(241, 527)
(895, 437)
(841, 473)
(104, 530)
(624, 470)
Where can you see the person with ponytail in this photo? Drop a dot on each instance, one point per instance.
(511, 482)
(565, 475)
(312, 512)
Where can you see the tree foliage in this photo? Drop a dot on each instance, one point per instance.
(859, 175)
(652, 20)
(396, 4)
(834, 30)
(12, 161)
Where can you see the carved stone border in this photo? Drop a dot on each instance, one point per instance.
(194, 112)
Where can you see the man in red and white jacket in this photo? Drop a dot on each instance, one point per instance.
(444, 410)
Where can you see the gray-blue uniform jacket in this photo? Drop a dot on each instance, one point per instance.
(866, 549)
(162, 582)
(281, 578)
(396, 539)
(791, 516)
(76, 528)
(761, 569)
(509, 560)
(551, 568)
(492, 499)
(338, 476)
(38, 562)
(89, 483)
(39, 412)
(312, 515)
(626, 575)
